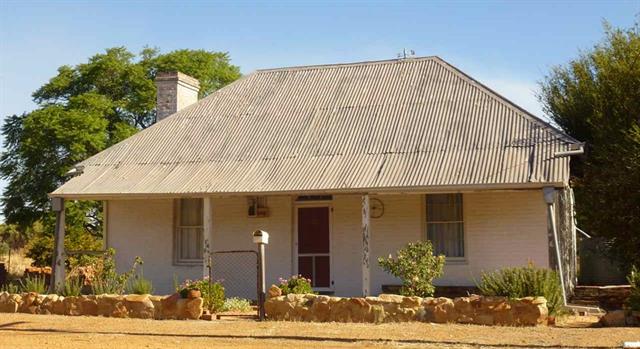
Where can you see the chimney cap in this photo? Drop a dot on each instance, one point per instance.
(180, 77)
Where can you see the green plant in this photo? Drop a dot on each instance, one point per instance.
(212, 292)
(139, 285)
(416, 266)
(36, 283)
(633, 301)
(108, 280)
(236, 304)
(10, 287)
(526, 281)
(295, 284)
(72, 287)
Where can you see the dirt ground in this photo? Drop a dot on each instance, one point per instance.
(39, 331)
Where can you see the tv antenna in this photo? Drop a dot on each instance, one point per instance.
(406, 54)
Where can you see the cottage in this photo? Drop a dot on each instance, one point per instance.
(341, 164)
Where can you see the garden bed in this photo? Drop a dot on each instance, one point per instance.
(119, 306)
(528, 311)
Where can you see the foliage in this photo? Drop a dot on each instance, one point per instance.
(296, 284)
(596, 99)
(34, 283)
(634, 280)
(139, 285)
(4, 248)
(416, 266)
(526, 281)
(236, 304)
(107, 279)
(10, 287)
(212, 292)
(82, 110)
(40, 246)
(72, 286)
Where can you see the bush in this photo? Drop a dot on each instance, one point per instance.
(634, 280)
(35, 284)
(212, 292)
(236, 304)
(416, 266)
(72, 287)
(526, 281)
(107, 279)
(10, 287)
(140, 285)
(295, 284)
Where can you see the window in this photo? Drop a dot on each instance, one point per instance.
(445, 228)
(189, 230)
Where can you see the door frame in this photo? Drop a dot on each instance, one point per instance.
(312, 204)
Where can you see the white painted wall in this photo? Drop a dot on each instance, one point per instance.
(145, 229)
(501, 229)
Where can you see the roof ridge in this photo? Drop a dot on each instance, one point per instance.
(509, 103)
(347, 64)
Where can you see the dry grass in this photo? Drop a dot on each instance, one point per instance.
(17, 264)
(39, 331)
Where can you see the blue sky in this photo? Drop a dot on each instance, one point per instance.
(508, 45)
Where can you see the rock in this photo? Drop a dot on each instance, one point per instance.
(157, 306)
(614, 318)
(58, 306)
(11, 303)
(139, 306)
(46, 306)
(321, 309)
(193, 309)
(444, 311)
(72, 306)
(88, 305)
(169, 306)
(274, 291)
(28, 300)
(394, 298)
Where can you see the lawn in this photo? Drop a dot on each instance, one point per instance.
(40, 331)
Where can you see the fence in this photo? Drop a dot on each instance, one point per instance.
(238, 273)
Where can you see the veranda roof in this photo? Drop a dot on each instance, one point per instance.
(415, 124)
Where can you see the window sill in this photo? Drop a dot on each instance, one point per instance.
(456, 261)
(187, 264)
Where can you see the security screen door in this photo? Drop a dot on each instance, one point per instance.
(314, 260)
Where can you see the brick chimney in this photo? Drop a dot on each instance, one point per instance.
(175, 91)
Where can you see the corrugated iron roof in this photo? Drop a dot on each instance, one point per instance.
(409, 124)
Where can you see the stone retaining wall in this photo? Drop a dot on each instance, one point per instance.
(129, 306)
(474, 309)
(605, 297)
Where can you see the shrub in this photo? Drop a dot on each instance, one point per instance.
(416, 266)
(634, 280)
(35, 284)
(526, 281)
(295, 284)
(72, 287)
(212, 292)
(10, 287)
(107, 279)
(140, 285)
(236, 304)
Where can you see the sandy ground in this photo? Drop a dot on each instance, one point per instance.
(39, 331)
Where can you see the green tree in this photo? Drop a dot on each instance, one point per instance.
(81, 111)
(596, 99)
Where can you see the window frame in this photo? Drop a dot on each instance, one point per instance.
(465, 246)
(177, 244)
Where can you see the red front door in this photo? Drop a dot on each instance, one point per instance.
(313, 245)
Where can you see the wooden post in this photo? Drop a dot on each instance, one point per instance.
(366, 267)
(549, 197)
(58, 259)
(207, 236)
